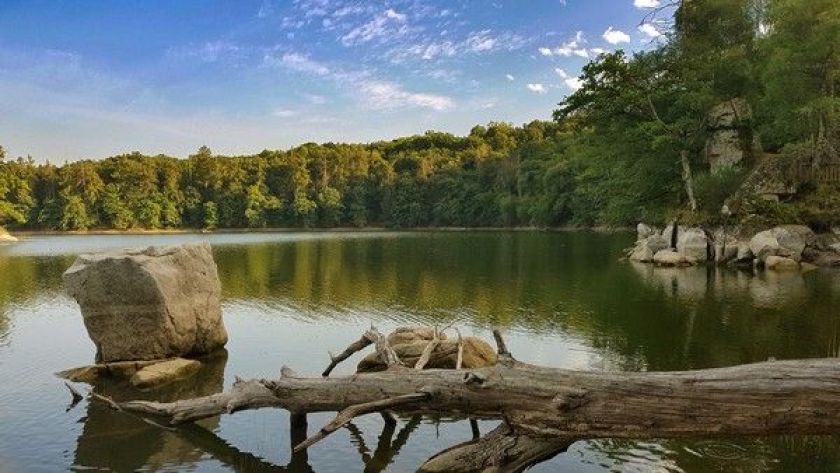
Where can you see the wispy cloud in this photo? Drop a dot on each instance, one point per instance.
(388, 24)
(297, 62)
(510, 77)
(537, 88)
(573, 46)
(650, 30)
(211, 51)
(387, 95)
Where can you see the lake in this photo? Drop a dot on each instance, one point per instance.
(564, 299)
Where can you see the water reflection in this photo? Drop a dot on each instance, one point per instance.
(565, 298)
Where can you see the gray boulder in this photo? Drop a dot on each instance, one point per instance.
(152, 303)
(647, 247)
(726, 249)
(670, 257)
(788, 242)
(693, 243)
(645, 231)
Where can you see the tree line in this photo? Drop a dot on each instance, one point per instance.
(627, 146)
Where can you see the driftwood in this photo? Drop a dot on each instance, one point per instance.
(543, 410)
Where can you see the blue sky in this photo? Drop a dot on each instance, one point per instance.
(86, 79)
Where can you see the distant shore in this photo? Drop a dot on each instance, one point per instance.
(180, 231)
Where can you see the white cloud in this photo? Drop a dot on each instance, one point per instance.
(537, 88)
(646, 3)
(509, 77)
(614, 36)
(297, 62)
(597, 51)
(481, 41)
(573, 46)
(386, 25)
(386, 95)
(650, 30)
(561, 73)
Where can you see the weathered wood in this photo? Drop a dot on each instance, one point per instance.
(427, 352)
(346, 415)
(354, 347)
(545, 409)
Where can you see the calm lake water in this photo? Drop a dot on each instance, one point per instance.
(564, 298)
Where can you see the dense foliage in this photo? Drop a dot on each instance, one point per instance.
(627, 146)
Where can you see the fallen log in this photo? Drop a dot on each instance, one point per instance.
(546, 409)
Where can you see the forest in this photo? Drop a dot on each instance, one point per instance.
(628, 146)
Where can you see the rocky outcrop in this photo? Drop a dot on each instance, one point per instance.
(5, 237)
(786, 241)
(694, 243)
(646, 248)
(730, 137)
(148, 304)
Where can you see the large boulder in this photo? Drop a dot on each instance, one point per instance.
(693, 243)
(5, 237)
(644, 231)
(788, 242)
(670, 257)
(148, 304)
(644, 249)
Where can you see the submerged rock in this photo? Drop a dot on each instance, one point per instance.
(780, 263)
(149, 304)
(165, 372)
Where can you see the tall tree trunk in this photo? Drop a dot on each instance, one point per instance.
(688, 179)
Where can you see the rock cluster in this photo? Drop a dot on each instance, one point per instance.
(781, 248)
(149, 304)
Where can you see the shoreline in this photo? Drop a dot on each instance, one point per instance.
(190, 231)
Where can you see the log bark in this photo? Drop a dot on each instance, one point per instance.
(545, 409)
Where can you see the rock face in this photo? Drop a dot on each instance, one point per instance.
(152, 303)
(788, 242)
(644, 231)
(5, 237)
(729, 137)
(693, 243)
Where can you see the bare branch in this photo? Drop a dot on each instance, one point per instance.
(427, 352)
(354, 347)
(500, 343)
(351, 412)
